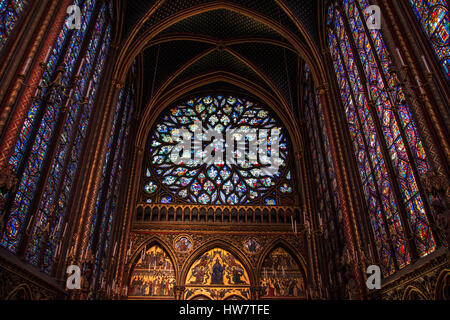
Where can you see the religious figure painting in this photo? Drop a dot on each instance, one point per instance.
(217, 274)
(281, 276)
(153, 275)
(217, 267)
(252, 246)
(183, 244)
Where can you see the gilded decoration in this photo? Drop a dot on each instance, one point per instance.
(153, 275)
(281, 276)
(183, 244)
(217, 275)
(168, 236)
(426, 280)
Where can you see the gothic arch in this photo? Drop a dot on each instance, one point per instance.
(412, 293)
(260, 73)
(279, 107)
(21, 292)
(310, 43)
(442, 288)
(133, 46)
(298, 257)
(210, 246)
(288, 285)
(157, 107)
(148, 244)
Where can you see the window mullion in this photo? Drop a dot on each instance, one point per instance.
(321, 146)
(400, 126)
(34, 131)
(369, 159)
(36, 122)
(55, 138)
(381, 139)
(107, 182)
(73, 136)
(115, 179)
(319, 149)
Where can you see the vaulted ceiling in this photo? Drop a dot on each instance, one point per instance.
(197, 37)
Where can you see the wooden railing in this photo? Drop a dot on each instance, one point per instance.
(149, 213)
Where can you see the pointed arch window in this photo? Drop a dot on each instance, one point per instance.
(281, 276)
(390, 156)
(10, 11)
(107, 198)
(433, 16)
(51, 141)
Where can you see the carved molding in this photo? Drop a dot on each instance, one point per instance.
(19, 284)
(422, 281)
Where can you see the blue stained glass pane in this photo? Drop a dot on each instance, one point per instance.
(365, 142)
(10, 11)
(33, 164)
(83, 114)
(433, 16)
(377, 185)
(397, 145)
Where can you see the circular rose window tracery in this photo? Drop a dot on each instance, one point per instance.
(251, 177)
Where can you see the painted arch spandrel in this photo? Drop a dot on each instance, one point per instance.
(281, 276)
(153, 275)
(217, 275)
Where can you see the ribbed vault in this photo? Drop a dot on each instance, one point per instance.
(179, 42)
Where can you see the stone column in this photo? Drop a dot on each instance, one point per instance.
(339, 165)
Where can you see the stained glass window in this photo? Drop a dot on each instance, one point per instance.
(245, 177)
(434, 19)
(329, 211)
(10, 11)
(107, 197)
(32, 146)
(389, 153)
(47, 128)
